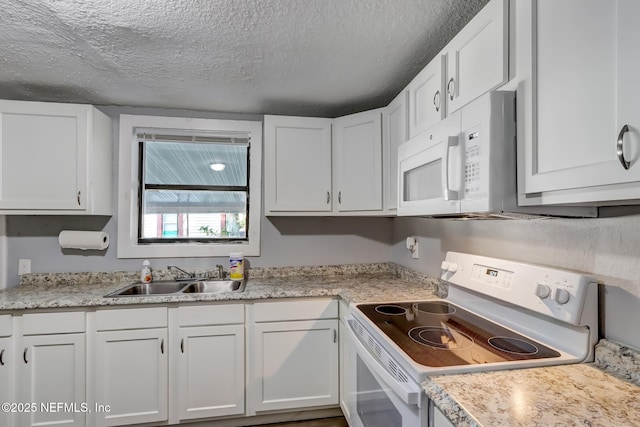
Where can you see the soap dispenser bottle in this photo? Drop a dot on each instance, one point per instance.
(145, 273)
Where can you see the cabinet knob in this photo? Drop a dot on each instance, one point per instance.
(340, 197)
(2, 357)
(328, 197)
(24, 355)
(451, 87)
(182, 345)
(162, 346)
(79, 194)
(620, 147)
(436, 100)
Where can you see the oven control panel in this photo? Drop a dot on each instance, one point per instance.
(556, 293)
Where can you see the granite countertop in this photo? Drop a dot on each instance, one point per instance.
(605, 393)
(358, 283)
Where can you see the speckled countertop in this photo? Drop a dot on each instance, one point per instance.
(353, 283)
(605, 393)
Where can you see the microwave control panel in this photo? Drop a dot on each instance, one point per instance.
(473, 162)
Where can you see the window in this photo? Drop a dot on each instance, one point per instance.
(188, 187)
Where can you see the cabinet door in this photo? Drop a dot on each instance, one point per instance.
(211, 371)
(628, 86)
(395, 132)
(5, 378)
(582, 91)
(52, 371)
(357, 156)
(297, 164)
(345, 372)
(131, 376)
(43, 149)
(295, 364)
(477, 57)
(439, 419)
(426, 97)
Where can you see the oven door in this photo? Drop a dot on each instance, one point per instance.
(430, 171)
(376, 399)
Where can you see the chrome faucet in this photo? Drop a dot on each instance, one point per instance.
(221, 273)
(189, 275)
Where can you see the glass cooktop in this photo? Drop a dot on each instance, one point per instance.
(440, 334)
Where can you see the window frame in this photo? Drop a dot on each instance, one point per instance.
(128, 188)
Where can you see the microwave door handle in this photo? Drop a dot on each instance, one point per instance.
(447, 192)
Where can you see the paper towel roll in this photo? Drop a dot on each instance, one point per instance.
(84, 240)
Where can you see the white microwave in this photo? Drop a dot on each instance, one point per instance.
(464, 165)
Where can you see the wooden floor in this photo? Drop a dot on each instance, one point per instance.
(324, 422)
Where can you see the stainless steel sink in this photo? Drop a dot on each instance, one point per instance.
(215, 286)
(173, 287)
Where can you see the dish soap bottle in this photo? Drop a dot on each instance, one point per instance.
(145, 273)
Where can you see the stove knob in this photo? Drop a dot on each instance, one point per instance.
(562, 296)
(543, 291)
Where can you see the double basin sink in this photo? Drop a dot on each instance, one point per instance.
(175, 287)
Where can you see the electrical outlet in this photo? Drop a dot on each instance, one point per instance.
(24, 266)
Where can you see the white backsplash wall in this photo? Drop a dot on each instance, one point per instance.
(608, 248)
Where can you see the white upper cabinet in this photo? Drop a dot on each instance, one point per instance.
(297, 154)
(474, 62)
(357, 156)
(395, 131)
(477, 57)
(312, 170)
(54, 159)
(579, 128)
(426, 97)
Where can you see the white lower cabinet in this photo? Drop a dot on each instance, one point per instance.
(131, 366)
(50, 369)
(6, 362)
(345, 357)
(132, 376)
(169, 364)
(294, 362)
(439, 419)
(207, 362)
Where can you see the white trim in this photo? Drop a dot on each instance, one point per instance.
(128, 246)
(3, 252)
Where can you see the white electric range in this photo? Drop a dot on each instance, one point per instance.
(498, 314)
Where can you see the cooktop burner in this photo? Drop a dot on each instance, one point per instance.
(440, 334)
(440, 338)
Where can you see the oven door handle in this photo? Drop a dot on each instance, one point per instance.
(408, 392)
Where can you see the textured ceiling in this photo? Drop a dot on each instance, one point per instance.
(302, 57)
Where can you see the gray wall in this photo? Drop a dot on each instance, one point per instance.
(609, 248)
(285, 241)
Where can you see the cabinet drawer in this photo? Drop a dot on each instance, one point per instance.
(202, 315)
(5, 325)
(132, 318)
(295, 310)
(53, 323)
